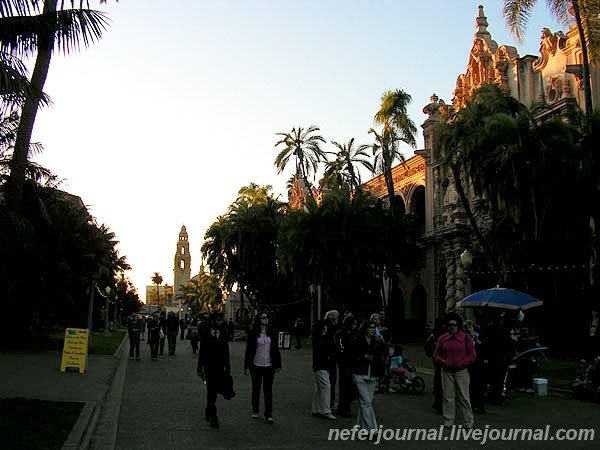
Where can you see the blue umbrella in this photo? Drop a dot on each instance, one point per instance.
(500, 298)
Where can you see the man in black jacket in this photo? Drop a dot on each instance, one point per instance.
(213, 362)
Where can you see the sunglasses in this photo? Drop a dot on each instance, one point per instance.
(263, 317)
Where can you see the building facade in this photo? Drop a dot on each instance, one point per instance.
(553, 78)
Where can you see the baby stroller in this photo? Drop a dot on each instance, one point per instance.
(522, 369)
(405, 379)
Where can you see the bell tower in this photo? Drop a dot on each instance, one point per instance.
(181, 269)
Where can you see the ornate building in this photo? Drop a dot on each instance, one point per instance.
(181, 267)
(552, 78)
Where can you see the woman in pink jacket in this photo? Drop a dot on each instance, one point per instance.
(455, 352)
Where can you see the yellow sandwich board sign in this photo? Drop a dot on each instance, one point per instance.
(74, 349)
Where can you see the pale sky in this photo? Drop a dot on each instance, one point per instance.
(160, 123)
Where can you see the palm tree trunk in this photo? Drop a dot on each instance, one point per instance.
(14, 185)
(467, 206)
(587, 87)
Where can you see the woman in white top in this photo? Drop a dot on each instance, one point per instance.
(263, 359)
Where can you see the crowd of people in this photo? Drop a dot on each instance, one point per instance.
(352, 359)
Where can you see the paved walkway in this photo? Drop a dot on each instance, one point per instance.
(160, 405)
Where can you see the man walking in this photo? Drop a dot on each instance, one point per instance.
(213, 362)
(134, 329)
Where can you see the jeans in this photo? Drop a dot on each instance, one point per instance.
(264, 376)
(321, 403)
(366, 391)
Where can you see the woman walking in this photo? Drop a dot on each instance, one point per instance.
(455, 353)
(263, 359)
(369, 365)
(323, 357)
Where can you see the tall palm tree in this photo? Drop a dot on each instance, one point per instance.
(305, 146)
(587, 19)
(496, 146)
(157, 279)
(14, 83)
(64, 29)
(342, 172)
(396, 127)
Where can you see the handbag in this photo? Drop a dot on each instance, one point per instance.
(161, 334)
(226, 387)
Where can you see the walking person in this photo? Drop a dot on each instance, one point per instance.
(172, 332)
(182, 326)
(213, 362)
(263, 359)
(439, 328)
(154, 337)
(477, 383)
(344, 340)
(162, 322)
(455, 353)
(134, 329)
(230, 330)
(369, 356)
(298, 331)
(322, 357)
(332, 321)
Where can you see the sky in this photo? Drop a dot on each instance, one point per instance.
(162, 121)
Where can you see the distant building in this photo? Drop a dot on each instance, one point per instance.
(162, 297)
(181, 267)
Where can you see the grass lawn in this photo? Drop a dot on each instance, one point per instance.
(27, 424)
(98, 343)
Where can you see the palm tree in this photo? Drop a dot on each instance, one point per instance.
(63, 29)
(341, 172)
(306, 147)
(157, 279)
(587, 19)
(14, 83)
(396, 127)
(497, 138)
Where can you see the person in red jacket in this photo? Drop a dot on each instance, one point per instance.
(455, 353)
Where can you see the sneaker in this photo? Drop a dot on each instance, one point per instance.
(138, 358)
(255, 415)
(329, 416)
(131, 358)
(214, 422)
(270, 420)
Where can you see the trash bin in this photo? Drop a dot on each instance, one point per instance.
(540, 386)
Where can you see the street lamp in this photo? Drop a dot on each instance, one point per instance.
(116, 309)
(106, 330)
(466, 259)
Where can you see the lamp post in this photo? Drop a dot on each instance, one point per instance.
(116, 309)
(106, 329)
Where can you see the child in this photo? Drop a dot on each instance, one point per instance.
(398, 372)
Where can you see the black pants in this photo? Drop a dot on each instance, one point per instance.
(134, 344)
(262, 376)
(212, 384)
(154, 346)
(496, 372)
(172, 341)
(333, 379)
(347, 390)
(477, 385)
